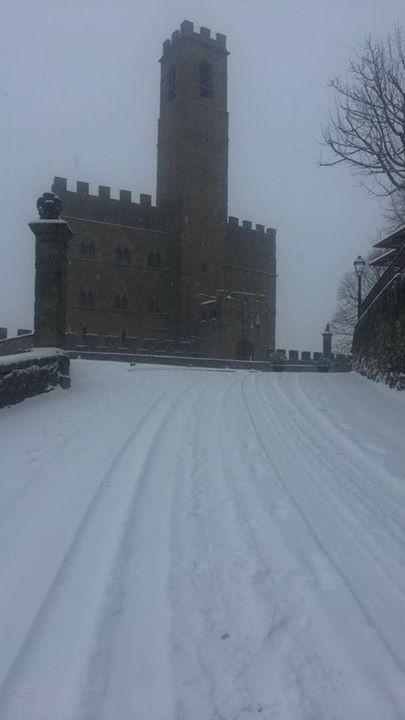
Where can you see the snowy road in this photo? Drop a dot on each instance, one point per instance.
(179, 544)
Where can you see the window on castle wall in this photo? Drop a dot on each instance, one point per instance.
(83, 249)
(117, 302)
(84, 331)
(90, 299)
(123, 335)
(118, 253)
(158, 260)
(151, 259)
(91, 252)
(205, 79)
(171, 82)
(124, 302)
(126, 256)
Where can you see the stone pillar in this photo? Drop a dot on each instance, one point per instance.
(51, 241)
(327, 342)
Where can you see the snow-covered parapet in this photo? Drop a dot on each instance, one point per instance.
(26, 374)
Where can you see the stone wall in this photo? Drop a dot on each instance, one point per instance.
(121, 281)
(35, 372)
(19, 344)
(379, 336)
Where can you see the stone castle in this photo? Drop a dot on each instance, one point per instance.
(178, 276)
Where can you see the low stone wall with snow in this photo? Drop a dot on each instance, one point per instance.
(31, 373)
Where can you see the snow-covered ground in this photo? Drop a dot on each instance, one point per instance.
(181, 544)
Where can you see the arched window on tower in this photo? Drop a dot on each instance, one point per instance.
(205, 79)
(171, 82)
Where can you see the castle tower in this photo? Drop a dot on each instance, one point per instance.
(193, 157)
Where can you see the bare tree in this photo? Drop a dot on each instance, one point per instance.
(366, 129)
(394, 210)
(345, 316)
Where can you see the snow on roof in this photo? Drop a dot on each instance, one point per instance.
(395, 240)
(385, 258)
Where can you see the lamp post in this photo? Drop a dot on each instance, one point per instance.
(359, 264)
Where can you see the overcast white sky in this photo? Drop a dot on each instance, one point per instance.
(79, 90)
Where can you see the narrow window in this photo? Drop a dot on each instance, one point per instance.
(90, 299)
(83, 249)
(91, 252)
(158, 260)
(124, 302)
(171, 82)
(151, 259)
(84, 332)
(118, 253)
(126, 255)
(123, 335)
(82, 298)
(117, 302)
(205, 79)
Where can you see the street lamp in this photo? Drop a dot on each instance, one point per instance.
(359, 264)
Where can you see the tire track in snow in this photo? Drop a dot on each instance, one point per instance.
(290, 594)
(359, 460)
(224, 666)
(339, 476)
(25, 681)
(88, 417)
(329, 542)
(131, 642)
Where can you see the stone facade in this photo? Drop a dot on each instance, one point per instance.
(178, 274)
(379, 337)
(379, 334)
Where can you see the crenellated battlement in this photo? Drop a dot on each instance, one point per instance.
(201, 34)
(59, 187)
(105, 208)
(247, 226)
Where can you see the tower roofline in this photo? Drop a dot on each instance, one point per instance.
(203, 37)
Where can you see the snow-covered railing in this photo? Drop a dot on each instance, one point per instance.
(26, 374)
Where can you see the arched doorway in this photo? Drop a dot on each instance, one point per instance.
(244, 350)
